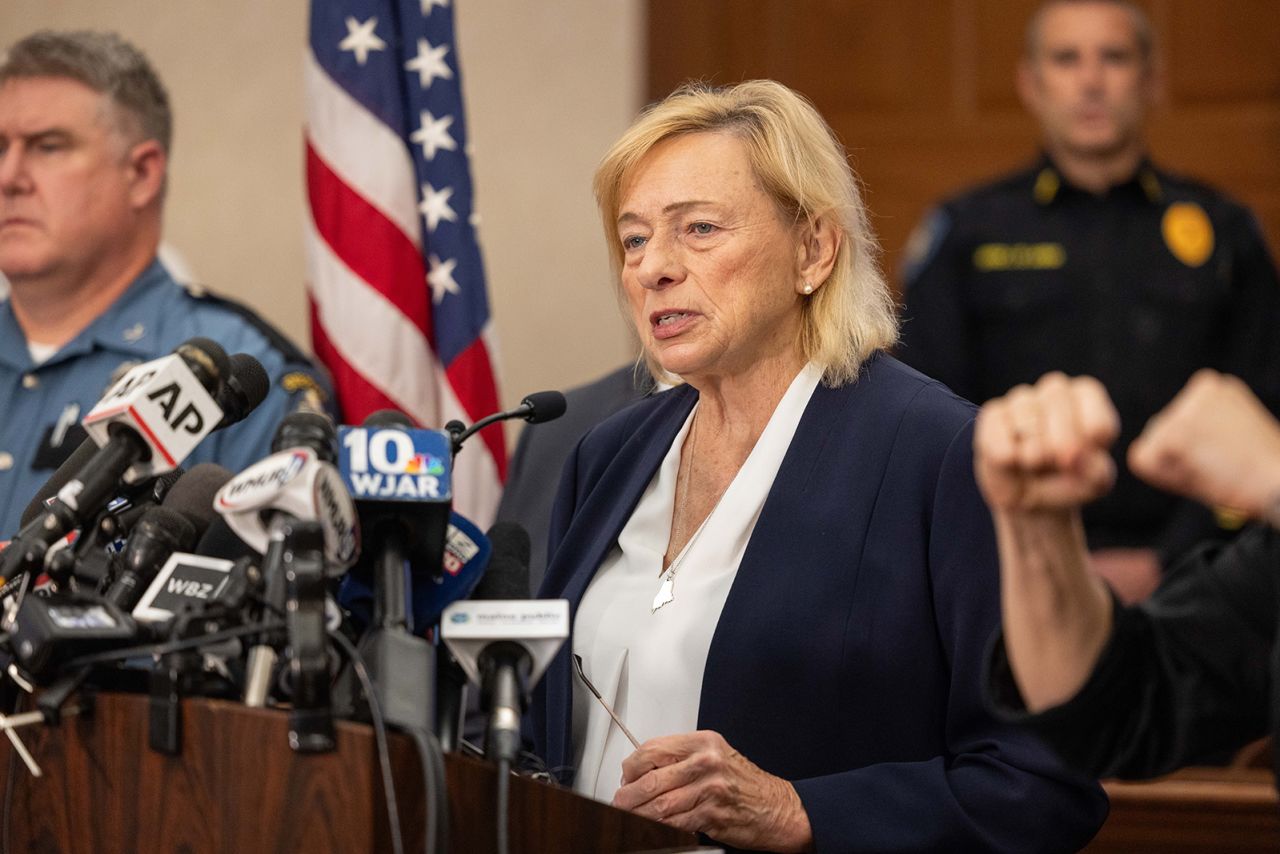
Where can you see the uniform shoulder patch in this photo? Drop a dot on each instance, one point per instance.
(923, 244)
(304, 383)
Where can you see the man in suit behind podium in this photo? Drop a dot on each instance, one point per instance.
(543, 448)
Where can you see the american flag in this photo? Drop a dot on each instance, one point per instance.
(399, 312)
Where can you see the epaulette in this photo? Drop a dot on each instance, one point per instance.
(277, 339)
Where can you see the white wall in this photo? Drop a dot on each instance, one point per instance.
(548, 86)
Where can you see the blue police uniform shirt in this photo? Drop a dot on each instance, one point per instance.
(41, 405)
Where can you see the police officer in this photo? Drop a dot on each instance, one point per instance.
(85, 129)
(1094, 261)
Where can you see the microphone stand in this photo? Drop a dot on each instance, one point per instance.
(311, 715)
(389, 651)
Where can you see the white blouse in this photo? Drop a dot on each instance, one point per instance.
(648, 664)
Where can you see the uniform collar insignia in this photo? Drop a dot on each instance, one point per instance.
(1150, 183)
(1047, 185)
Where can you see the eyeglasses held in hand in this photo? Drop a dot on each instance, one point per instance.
(577, 666)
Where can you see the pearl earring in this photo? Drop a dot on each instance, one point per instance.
(808, 288)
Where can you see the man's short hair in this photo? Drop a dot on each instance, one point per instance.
(105, 63)
(1142, 30)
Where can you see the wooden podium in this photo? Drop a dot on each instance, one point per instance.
(237, 787)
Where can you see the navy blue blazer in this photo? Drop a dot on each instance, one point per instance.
(848, 656)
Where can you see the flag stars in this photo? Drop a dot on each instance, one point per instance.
(361, 39)
(440, 277)
(429, 63)
(435, 206)
(428, 5)
(433, 135)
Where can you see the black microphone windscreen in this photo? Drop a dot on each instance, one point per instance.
(544, 406)
(65, 472)
(221, 541)
(193, 493)
(388, 418)
(304, 429)
(169, 525)
(214, 356)
(508, 574)
(248, 384)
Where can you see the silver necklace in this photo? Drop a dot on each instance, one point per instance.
(667, 590)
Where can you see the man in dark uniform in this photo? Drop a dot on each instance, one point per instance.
(85, 128)
(1094, 261)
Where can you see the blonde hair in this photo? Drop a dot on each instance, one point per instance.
(802, 166)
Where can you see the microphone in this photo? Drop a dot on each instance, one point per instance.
(70, 467)
(508, 577)
(400, 479)
(297, 483)
(505, 645)
(466, 555)
(157, 535)
(536, 408)
(243, 392)
(263, 504)
(311, 711)
(145, 425)
(245, 389)
(307, 429)
(175, 526)
(194, 493)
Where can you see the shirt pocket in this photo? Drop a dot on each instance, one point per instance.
(1020, 293)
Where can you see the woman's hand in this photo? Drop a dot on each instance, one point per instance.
(697, 782)
(1044, 446)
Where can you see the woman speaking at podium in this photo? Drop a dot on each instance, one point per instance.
(781, 573)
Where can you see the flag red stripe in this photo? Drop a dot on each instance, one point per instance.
(373, 247)
(358, 397)
(471, 376)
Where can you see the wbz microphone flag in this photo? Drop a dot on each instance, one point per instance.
(399, 310)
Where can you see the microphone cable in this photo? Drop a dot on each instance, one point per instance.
(503, 800)
(380, 739)
(430, 758)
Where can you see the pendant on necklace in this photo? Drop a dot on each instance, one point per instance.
(666, 593)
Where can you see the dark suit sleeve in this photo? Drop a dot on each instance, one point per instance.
(996, 788)
(1184, 677)
(936, 333)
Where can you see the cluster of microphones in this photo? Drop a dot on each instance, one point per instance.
(130, 572)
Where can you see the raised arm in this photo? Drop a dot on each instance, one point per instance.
(1040, 453)
(1215, 443)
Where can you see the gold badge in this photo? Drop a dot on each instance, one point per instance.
(1188, 233)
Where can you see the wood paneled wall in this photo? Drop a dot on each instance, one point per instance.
(922, 94)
